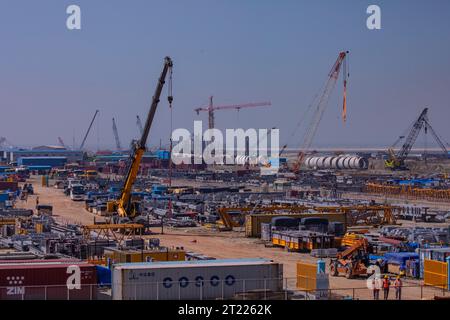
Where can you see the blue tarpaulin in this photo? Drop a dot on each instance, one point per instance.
(103, 275)
(400, 258)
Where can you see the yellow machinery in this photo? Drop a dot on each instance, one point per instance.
(353, 261)
(133, 255)
(350, 239)
(397, 161)
(124, 206)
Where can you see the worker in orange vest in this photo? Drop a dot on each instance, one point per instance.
(398, 288)
(386, 285)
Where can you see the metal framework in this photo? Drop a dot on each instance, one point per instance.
(118, 232)
(355, 215)
(440, 195)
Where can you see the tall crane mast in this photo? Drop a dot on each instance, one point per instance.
(321, 106)
(125, 207)
(116, 135)
(397, 161)
(88, 130)
(211, 108)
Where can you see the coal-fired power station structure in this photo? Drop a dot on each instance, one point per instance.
(343, 162)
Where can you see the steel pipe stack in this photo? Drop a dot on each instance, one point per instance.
(336, 162)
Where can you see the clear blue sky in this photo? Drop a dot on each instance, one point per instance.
(52, 79)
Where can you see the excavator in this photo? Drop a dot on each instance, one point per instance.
(124, 206)
(353, 261)
(397, 161)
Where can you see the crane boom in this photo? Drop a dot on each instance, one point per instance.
(124, 201)
(412, 136)
(397, 161)
(116, 135)
(436, 137)
(321, 106)
(88, 130)
(211, 108)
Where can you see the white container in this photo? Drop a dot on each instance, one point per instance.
(194, 280)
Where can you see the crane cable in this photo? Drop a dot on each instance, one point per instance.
(170, 100)
(346, 74)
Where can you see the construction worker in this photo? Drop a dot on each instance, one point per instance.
(376, 288)
(386, 285)
(398, 288)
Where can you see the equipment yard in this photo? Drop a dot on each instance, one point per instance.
(234, 244)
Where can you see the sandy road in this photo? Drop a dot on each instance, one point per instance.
(64, 209)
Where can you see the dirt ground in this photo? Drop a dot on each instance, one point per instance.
(220, 245)
(64, 209)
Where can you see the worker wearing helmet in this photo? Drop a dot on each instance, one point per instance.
(398, 288)
(386, 285)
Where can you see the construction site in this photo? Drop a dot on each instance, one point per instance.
(318, 227)
(144, 221)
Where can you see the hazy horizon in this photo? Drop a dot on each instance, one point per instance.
(53, 79)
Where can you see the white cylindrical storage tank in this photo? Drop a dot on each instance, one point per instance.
(308, 162)
(340, 162)
(347, 162)
(365, 163)
(334, 161)
(320, 162)
(354, 162)
(327, 162)
(312, 162)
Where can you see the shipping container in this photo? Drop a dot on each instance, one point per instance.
(194, 280)
(43, 280)
(123, 256)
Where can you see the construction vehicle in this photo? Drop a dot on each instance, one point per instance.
(397, 161)
(88, 130)
(227, 221)
(124, 205)
(353, 261)
(321, 106)
(211, 108)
